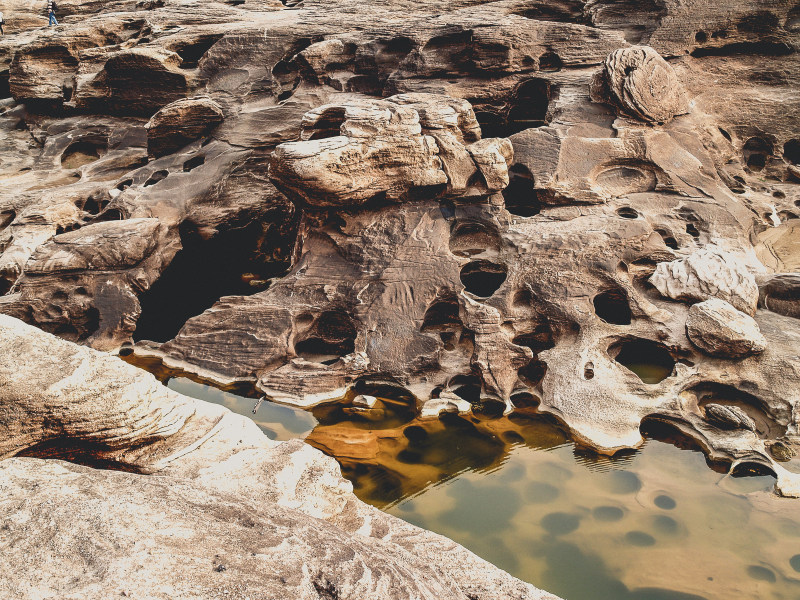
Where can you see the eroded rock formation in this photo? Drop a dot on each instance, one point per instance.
(230, 511)
(468, 202)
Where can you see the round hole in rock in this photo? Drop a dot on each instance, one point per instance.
(651, 361)
(442, 314)
(626, 212)
(156, 177)
(550, 61)
(533, 372)
(328, 124)
(791, 151)
(692, 230)
(701, 37)
(81, 153)
(756, 162)
(468, 238)
(669, 240)
(193, 163)
(483, 278)
(612, 307)
(520, 197)
(588, 371)
(122, 185)
(330, 337)
(529, 106)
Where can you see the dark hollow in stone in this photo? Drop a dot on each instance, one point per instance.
(640, 538)
(156, 177)
(612, 307)
(520, 197)
(791, 151)
(442, 314)
(193, 163)
(626, 212)
(650, 360)
(794, 562)
(760, 573)
(664, 502)
(560, 523)
(483, 278)
(608, 514)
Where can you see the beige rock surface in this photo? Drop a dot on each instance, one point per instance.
(224, 510)
(717, 328)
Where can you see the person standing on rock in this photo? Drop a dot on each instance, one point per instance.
(51, 12)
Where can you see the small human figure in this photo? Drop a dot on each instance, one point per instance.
(2, 22)
(51, 12)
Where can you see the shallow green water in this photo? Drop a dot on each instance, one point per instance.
(656, 524)
(276, 421)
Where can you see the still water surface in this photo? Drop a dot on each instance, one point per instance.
(657, 524)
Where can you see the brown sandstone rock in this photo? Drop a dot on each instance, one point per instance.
(181, 122)
(641, 84)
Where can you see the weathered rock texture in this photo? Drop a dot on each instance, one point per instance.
(481, 200)
(716, 327)
(229, 513)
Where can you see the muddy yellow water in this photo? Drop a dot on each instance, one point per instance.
(655, 524)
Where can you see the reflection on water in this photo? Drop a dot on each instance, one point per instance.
(277, 421)
(656, 524)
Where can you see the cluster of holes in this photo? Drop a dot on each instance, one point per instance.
(483, 278)
(521, 197)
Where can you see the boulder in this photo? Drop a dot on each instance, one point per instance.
(718, 329)
(181, 122)
(708, 273)
(640, 84)
(728, 417)
(406, 146)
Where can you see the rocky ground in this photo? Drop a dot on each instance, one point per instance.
(586, 207)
